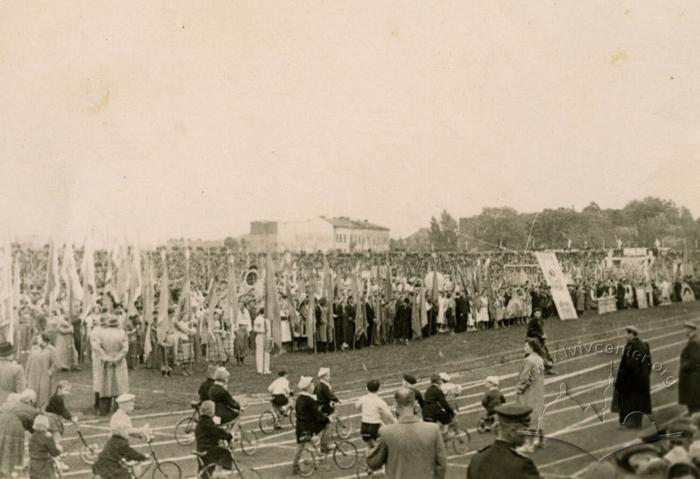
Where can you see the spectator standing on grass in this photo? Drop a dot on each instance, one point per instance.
(40, 369)
(689, 371)
(410, 448)
(632, 395)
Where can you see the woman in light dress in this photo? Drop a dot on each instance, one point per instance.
(482, 312)
(530, 391)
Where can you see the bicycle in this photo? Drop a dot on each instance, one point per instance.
(457, 437)
(270, 420)
(311, 456)
(363, 470)
(184, 431)
(163, 469)
(89, 451)
(210, 471)
(343, 427)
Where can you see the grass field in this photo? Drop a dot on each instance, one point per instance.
(576, 435)
(351, 369)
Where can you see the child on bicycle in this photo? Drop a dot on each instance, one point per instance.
(56, 411)
(375, 413)
(493, 397)
(207, 436)
(279, 388)
(42, 449)
(208, 382)
(310, 419)
(451, 390)
(117, 449)
(324, 392)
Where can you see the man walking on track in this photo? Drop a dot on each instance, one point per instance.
(410, 448)
(689, 371)
(632, 396)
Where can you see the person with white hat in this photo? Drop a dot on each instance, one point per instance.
(310, 418)
(451, 390)
(109, 464)
(689, 371)
(324, 392)
(227, 408)
(125, 406)
(42, 448)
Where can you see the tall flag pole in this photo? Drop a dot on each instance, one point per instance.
(311, 315)
(148, 297)
(135, 280)
(358, 293)
(6, 309)
(164, 299)
(186, 301)
(329, 295)
(53, 281)
(232, 293)
(87, 268)
(272, 306)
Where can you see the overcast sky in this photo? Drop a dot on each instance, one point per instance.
(163, 118)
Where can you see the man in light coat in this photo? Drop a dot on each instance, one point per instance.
(410, 448)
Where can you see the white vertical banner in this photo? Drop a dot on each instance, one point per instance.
(557, 283)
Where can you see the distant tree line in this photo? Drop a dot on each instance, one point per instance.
(640, 223)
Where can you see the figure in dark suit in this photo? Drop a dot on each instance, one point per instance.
(207, 436)
(632, 395)
(437, 409)
(461, 312)
(500, 460)
(324, 393)
(227, 408)
(689, 371)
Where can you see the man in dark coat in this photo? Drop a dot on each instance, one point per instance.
(461, 312)
(689, 371)
(500, 460)
(324, 392)
(620, 296)
(310, 419)
(437, 409)
(632, 396)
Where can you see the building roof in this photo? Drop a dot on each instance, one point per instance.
(345, 222)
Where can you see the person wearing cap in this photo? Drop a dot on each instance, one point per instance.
(689, 371)
(437, 409)
(324, 392)
(125, 406)
(311, 419)
(227, 408)
(409, 448)
(12, 378)
(207, 436)
(42, 448)
(40, 369)
(208, 382)
(501, 460)
(409, 381)
(493, 397)
(111, 346)
(632, 395)
(637, 457)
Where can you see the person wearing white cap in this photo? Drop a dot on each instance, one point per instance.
(227, 408)
(109, 463)
(42, 448)
(450, 389)
(310, 419)
(324, 392)
(125, 406)
(632, 395)
(689, 371)
(493, 397)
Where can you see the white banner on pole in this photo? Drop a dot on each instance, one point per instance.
(557, 283)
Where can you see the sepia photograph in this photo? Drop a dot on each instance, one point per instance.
(346, 239)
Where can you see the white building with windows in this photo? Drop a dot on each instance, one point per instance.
(318, 233)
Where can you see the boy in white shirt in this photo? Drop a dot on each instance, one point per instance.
(375, 412)
(279, 388)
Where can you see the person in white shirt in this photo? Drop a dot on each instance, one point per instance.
(261, 328)
(375, 413)
(279, 388)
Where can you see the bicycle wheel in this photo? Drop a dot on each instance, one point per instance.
(307, 463)
(460, 441)
(267, 422)
(89, 453)
(249, 442)
(292, 417)
(166, 470)
(345, 455)
(206, 472)
(184, 431)
(343, 427)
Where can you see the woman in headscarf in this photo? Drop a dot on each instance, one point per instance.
(40, 369)
(16, 416)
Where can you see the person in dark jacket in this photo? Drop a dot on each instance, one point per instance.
(632, 395)
(409, 381)
(42, 450)
(437, 409)
(207, 384)
(324, 392)
(500, 460)
(461, 312)
(108, 464)
(535, 329)
(689, 371)
(310, 419)
(227, 408)
(207, 436)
